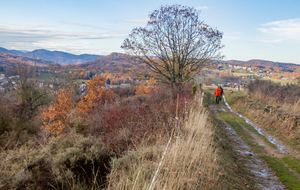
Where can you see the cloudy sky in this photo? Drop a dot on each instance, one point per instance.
(253, 29)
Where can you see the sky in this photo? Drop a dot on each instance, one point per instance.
(253, 29)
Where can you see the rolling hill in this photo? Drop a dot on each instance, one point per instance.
(8, 59)
(16, 52)
(60, 57)
(111, 61)
(258, 62)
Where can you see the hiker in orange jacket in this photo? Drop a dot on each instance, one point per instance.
(218, 94)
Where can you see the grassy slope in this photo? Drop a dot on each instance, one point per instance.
(199, 159)
(279, 165)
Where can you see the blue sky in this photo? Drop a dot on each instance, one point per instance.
(256, 29)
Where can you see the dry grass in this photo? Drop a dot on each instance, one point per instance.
(293, 109)
(190, 161)
(263, 99)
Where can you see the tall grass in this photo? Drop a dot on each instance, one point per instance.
(291, 108)
(190, 161)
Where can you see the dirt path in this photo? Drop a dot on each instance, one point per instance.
(260, 173)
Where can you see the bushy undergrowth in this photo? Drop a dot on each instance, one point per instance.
(72, 162)
(5, 115)
(79, 158)
(289, 93)
(125, 123)
(16, 125)
(125, 92)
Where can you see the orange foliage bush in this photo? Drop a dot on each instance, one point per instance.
(56, 116)
(147, 88)
(97, 94)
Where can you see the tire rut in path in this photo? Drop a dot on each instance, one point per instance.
(259, 172)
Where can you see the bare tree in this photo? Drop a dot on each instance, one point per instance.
(175, 45)
(30, 96)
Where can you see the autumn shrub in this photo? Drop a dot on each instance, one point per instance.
(147, 87)
(56, 117)
(97, 95)
(126, 122)
(75, 162)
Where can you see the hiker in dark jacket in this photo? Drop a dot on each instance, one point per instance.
(221, 93)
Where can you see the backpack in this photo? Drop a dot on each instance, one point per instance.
(218, 92)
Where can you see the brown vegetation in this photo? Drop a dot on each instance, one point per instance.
(96, 96)
(80, 156)
(274, 107)
(190, 161)
(289, 93)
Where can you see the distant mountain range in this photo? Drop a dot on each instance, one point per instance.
(8, 59)
(16, 52)
(59, 57)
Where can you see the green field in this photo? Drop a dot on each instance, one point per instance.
(201, 79)
(243, 74)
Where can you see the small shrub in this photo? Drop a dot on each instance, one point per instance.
(57, 116)
(63, 163)
(194, 89)
(6, 118)
(97, 95)
(124, 92)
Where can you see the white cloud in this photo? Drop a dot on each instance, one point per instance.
(282, 31)
(82, 24)
(271, 41)
(142, 20)
(202, 8)
(35, 33)
(29, 37)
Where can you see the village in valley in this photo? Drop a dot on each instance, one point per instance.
(225, 73)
